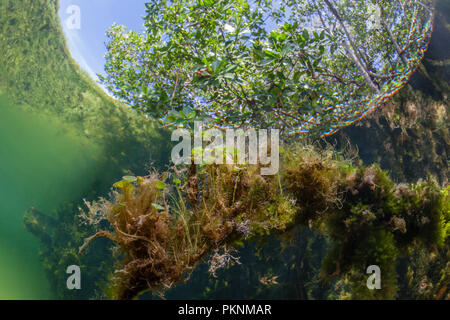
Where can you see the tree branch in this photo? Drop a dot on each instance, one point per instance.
(352, 52)
(392, 37)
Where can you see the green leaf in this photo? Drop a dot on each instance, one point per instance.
(157, 206)
(305, 34)
(272, 54)
(159, 184)
(124, 185)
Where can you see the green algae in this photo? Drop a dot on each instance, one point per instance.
(369, 219)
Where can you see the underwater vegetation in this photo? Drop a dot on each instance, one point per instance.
(63, 139)
(164, 236)
(60, 234)
(163, 231)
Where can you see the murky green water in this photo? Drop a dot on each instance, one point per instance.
(42, 164)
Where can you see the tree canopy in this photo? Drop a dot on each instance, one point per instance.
(303, 66)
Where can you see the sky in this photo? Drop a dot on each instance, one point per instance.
(87, 43)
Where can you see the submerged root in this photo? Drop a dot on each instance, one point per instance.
(222, 260)
(164, 230)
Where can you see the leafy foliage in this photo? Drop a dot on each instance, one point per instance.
(304, 66)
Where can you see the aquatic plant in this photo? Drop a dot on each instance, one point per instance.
(374, 221)
(163, 236)
(165, 231)
(61, 232)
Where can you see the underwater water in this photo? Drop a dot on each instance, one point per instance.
(62, 139)
(42, 164)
